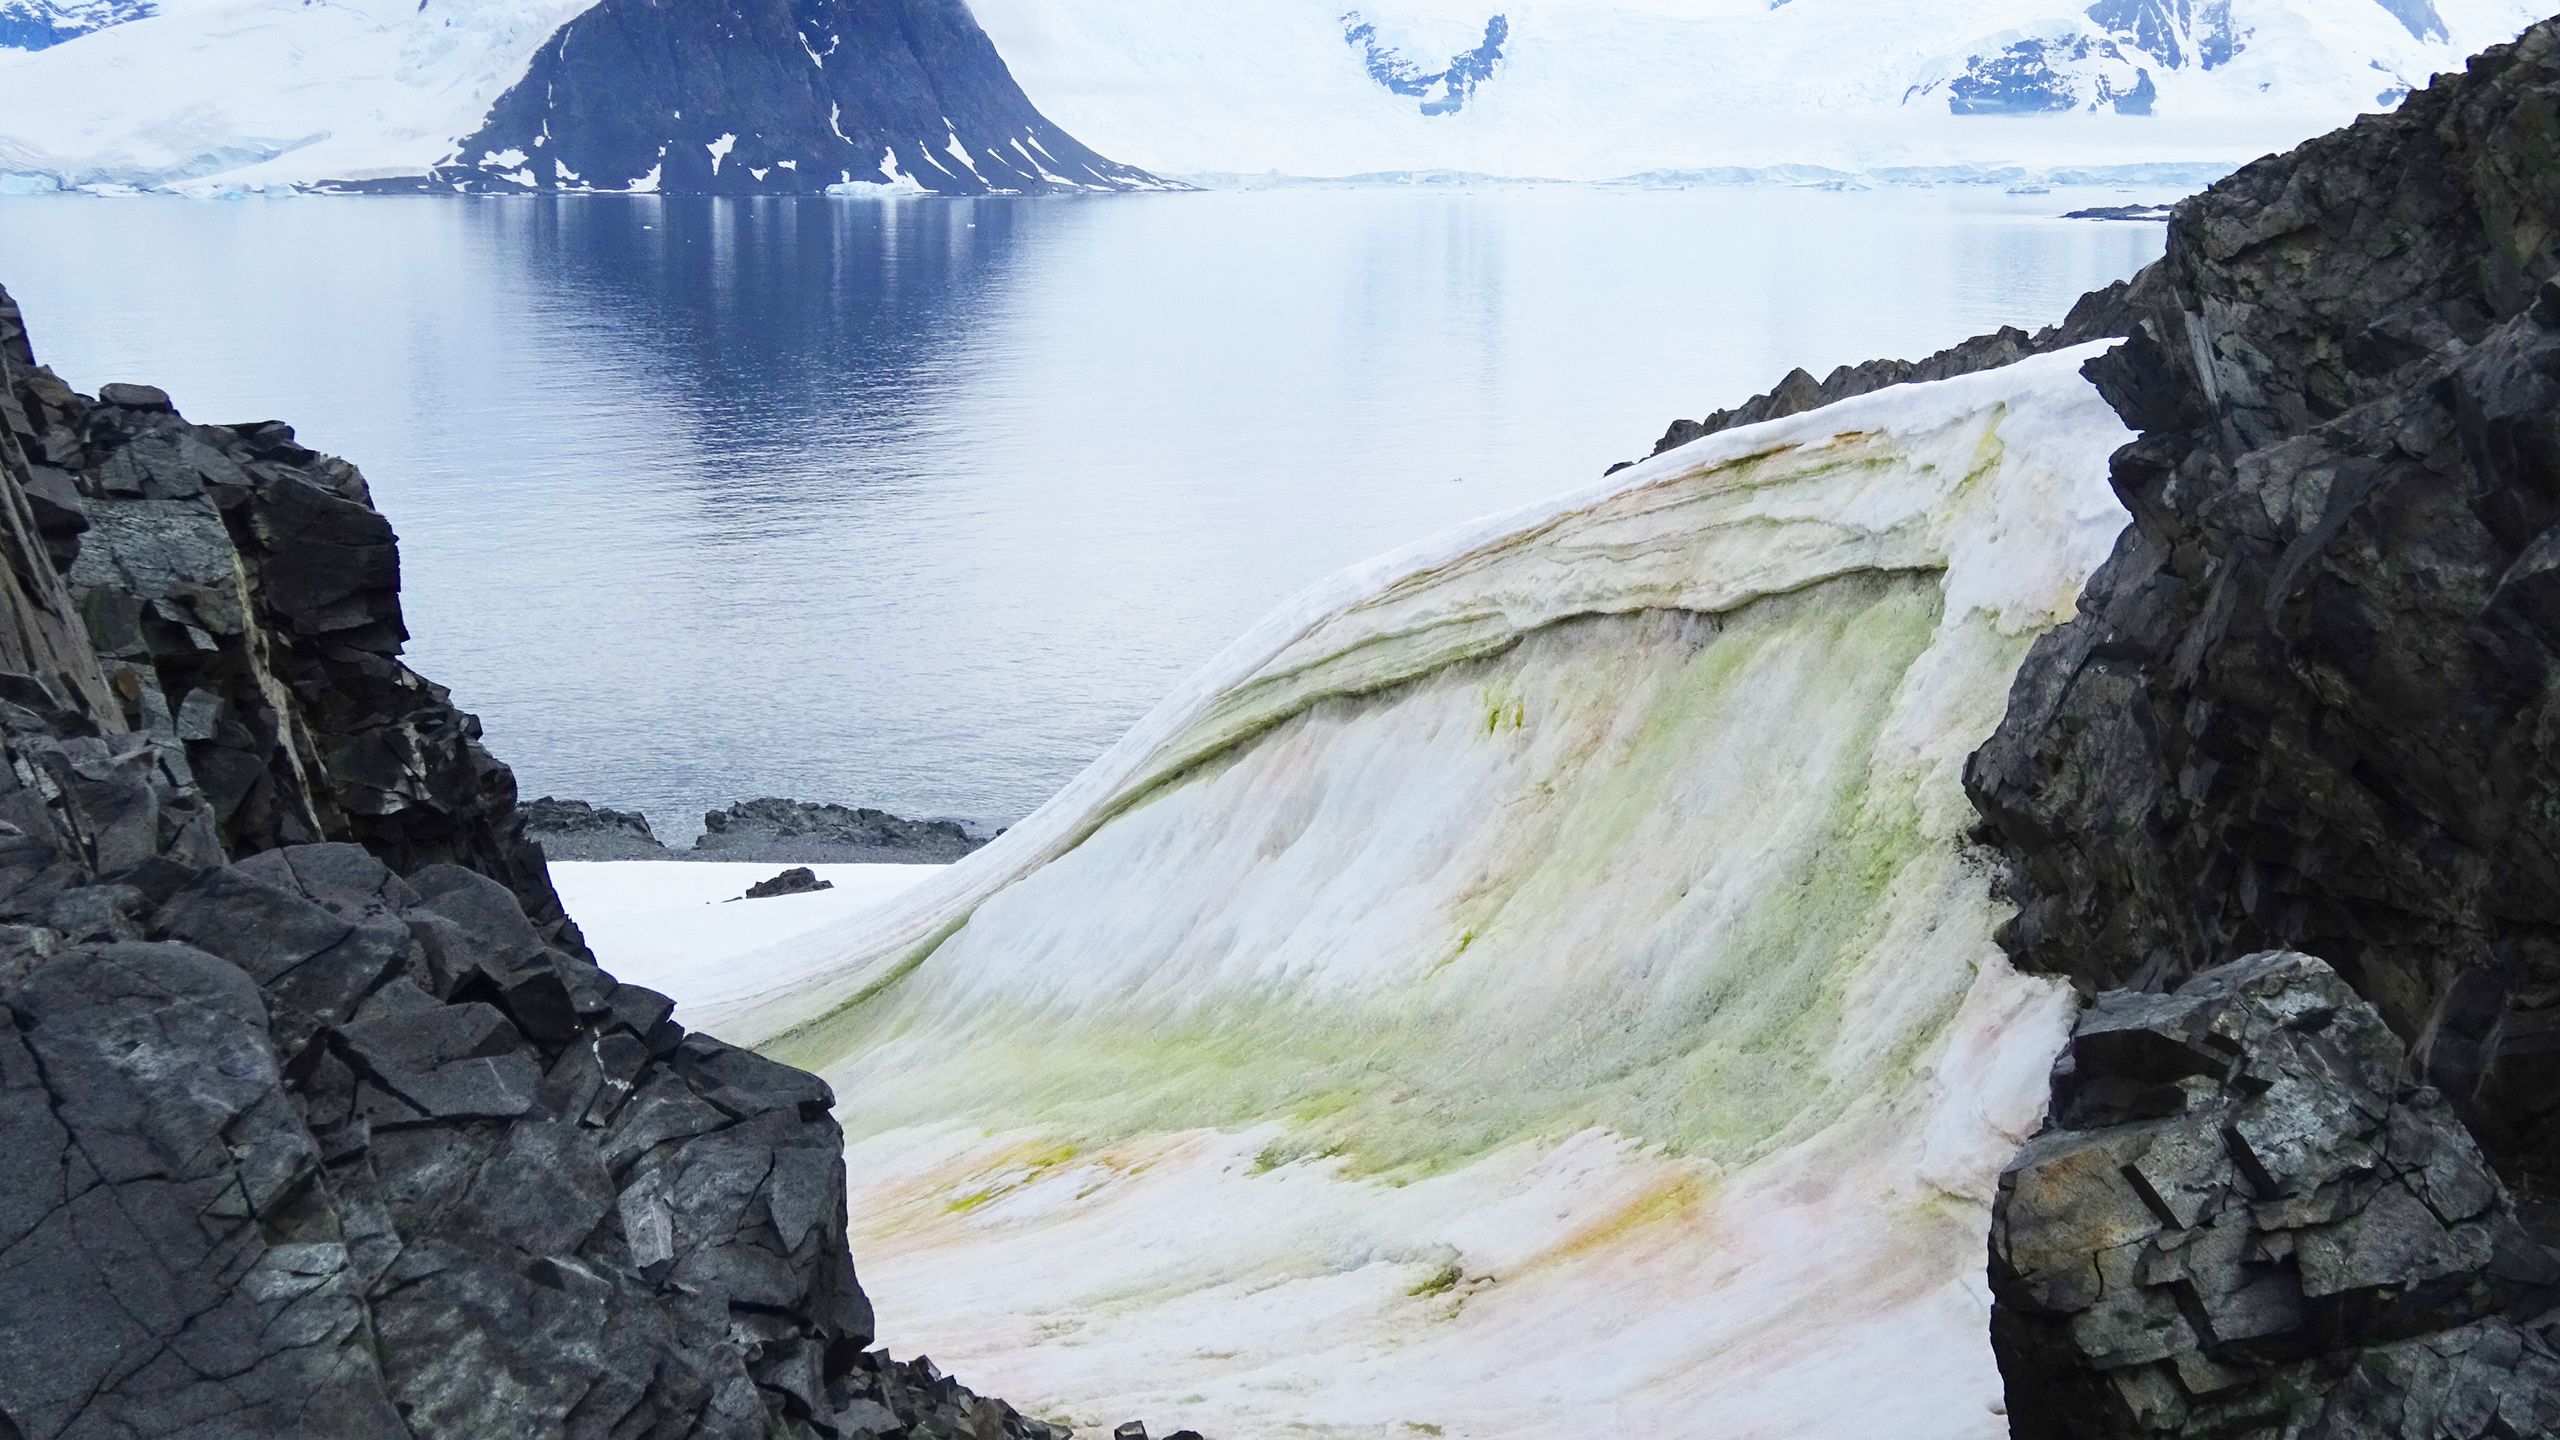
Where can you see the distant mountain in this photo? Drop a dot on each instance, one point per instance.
(2112, 56)
(666, 96)
(41, 24)
(1595, 89)
(754, 96)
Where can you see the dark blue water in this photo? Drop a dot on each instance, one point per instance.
(918, 505)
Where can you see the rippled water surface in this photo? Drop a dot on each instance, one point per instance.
(918, 505)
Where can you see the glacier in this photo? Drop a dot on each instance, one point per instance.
(254, 93)
(1600, 89)
(1537, 980)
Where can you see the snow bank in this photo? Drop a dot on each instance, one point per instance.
(1532, 984)
(656, 922)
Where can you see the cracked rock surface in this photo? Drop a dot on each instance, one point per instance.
(319, 1119)
(2242, 1220)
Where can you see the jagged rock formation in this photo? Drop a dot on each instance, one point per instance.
(320, 1120)
(790, 832)
(2100, 315)
(753, 97)
(2313, 701)
(576, 830)
(2243, 1220)
(242, 597)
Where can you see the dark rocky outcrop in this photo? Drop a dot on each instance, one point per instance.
(763, 97)
(799, 880)
(787, 831)
(2242, 1220)
(2313, 700)
(241, 595)
(576, 830)
(320, 1121)
(2100, 315)
(2122, 212)
(782, 832)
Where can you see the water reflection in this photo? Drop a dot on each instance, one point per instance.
(919, 504)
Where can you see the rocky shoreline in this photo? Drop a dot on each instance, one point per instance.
(766, 831)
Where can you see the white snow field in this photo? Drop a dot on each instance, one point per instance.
(1535, 983)
(653, 922)
(1594, 89)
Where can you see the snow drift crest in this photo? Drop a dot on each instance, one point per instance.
(1538, 921)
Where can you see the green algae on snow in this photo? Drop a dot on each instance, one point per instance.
(1718, 1044)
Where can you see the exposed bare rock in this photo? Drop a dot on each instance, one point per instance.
(2243, 1221)
(576, 830)
(241, 595)
(792, 831)
(799, 880)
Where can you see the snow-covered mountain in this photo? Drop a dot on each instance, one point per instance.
(777, 95)
(1592, 89)
(39, 24)
(742, 98)
(726, 96)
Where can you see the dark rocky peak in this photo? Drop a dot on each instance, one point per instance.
(2313, 700)
(746, 97)
(2243, 1220)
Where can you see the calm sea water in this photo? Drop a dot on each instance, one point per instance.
(919, 505)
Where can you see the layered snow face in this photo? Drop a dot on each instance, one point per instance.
(1596, 89)
(255, 92)
(1535, 982)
